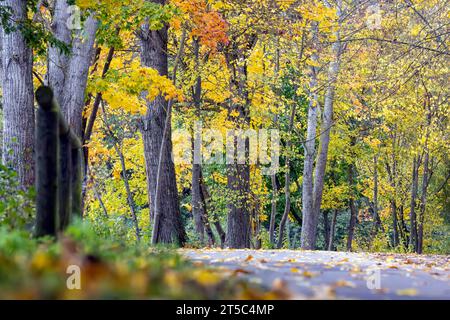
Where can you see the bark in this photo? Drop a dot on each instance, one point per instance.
(238, 222)
(216, 221)
(332, 230)
(403, 229)
(156, 127)
(77, 74)
(326, 228)
(58, 62)
(273, 177)
(393, 201)
(238, 175)
(287, 183)
(18, 101)
(130, 199)
(47, 135)
(412, 213)
(65, 181)
(353, 211)
(198, 207)
(395, 238)
(273, 211)
(423, 202)
(376, 216)
(327, 123)
(308, 226)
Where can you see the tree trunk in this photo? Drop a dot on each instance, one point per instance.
(423, 202)
(216, 221)
(314, 189)
(308, 226)
(392, 180)
(403, 228)
(238, 222)
(198, 208)
(395, 238)
(353, 211)
(58, 62)
(238, 174)
(376, 216)
(287, 182)
(326, 229)
(332, 230)
(327, 123)
(273, 177)
(170, 228)
(18, 100)
(273, 212)
(77, 75)
(412, 213)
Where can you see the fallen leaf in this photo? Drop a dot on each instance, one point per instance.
(249, 258)
(237, 271)
(407, 292)
(344, 283)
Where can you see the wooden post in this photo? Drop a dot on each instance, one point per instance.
(58, 182)
(76, 181)
(65, 181)
(47, 164)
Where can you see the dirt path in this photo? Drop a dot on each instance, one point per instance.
(336, 275)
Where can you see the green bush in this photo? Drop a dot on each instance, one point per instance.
(17, 209)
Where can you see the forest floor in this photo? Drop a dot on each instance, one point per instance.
(334, 275)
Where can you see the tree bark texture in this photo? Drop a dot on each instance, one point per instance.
(18, 99)
(170, 227)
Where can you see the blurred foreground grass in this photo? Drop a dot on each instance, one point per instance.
(31, 269)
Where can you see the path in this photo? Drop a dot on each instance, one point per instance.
(336, 275)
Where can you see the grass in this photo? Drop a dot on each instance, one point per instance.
(40, 269)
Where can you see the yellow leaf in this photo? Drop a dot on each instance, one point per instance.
(407, 292)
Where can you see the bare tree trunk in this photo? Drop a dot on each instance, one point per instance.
(403, 229)
(287, 183)
(273, 211)
(326, 228)
(238, 222)
(238, 174)
(273, 177)
(376, 215)
(412, 213)
(169, 228)
(423, 202)
(58, 62)
(216, 221)
(18, 100)
(308, 225)
(353, 211)
(395, 238)
(198, 208)
(197, 203)
(332, 230)
(327, 123)
(77, 75)
(392, 179)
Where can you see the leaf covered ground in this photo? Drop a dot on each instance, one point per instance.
(335, 275)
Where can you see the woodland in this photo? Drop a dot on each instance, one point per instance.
(353, 95)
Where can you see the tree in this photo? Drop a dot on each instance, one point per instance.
(156, 132)
(18, 99)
